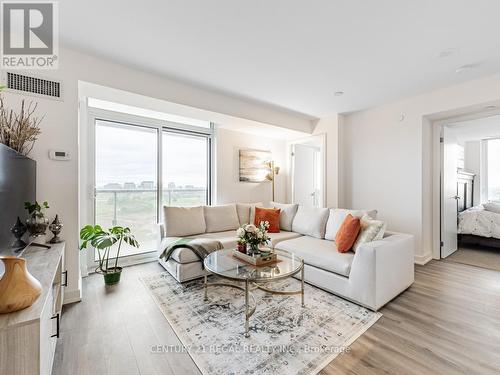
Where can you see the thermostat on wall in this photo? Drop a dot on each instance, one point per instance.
(59, 155)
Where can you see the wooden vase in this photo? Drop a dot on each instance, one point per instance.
(18, 288)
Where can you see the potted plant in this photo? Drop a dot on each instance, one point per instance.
(37, 222)
(254, 236)
(103, 240)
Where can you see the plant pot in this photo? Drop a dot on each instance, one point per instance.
(37, 226)
(112, 275)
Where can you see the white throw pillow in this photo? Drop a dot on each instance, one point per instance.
(287, 214)
(492, 207)
(371, 230)
(246, 212)
(310, 221)
(337, 217)
(221, 218)
(252, 210)
(243, 210)
(183, 221)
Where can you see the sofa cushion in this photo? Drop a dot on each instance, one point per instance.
(319, 253)
(281, 236)
(287, 214)
(371, 230)
(271, 215)
(252, 210)
(221, 218)
(347, 234)
(243, 211)
(337, 216)
(310, 221)
(184, 255)
(183, 221)
(246, 212)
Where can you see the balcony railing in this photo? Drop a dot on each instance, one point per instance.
(170, 197)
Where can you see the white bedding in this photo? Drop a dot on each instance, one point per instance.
(478, 221)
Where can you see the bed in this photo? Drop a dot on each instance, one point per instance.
(477, 226)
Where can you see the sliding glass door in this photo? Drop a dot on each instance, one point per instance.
(185, 169)
(126, 181)
(139, 166)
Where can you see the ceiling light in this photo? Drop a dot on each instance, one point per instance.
(338, 93)
(466, 68)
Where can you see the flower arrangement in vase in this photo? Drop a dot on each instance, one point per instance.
(252, 236)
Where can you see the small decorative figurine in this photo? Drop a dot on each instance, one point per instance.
(18, 231)
(55, 227)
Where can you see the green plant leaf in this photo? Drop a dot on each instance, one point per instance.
(104, 239)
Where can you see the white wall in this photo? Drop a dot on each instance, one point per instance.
(330, 127)
(473, 165)
(387, 163)
(228, 187)
(57, 182)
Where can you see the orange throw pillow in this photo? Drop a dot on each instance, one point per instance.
(268, 214)
(347, 234)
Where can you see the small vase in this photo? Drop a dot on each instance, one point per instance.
(55, 227)
(18, 231)
(37, 226)
(242, 248)
(253, 249)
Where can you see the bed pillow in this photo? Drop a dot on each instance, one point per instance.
(221, 218)
(183, 221)
(492, 207)
(271, 215)
(287, 214)
(337, 217)
(347, 233)
(371, 230)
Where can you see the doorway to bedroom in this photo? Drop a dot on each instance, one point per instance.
(470, 192)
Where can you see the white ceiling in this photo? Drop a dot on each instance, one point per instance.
(294, 54)
(474, 130)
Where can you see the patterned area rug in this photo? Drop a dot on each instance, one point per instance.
(285, 338)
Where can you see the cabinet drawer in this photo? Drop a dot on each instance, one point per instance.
(48, 328)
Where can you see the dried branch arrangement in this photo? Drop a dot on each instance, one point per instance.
(20, 130)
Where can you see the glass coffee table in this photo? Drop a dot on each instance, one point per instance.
(222, 263)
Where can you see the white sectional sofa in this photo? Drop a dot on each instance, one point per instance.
(376, 273)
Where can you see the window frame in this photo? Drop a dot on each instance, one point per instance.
(486, 165)
(96, 114)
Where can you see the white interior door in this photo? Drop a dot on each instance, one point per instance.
(305, 179)
(449, 193)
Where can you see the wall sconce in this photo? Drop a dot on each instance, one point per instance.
(271, 176)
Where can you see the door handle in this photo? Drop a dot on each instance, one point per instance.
(456, 197)
(65, 273)
(57, 325)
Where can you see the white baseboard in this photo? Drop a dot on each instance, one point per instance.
(423, 259)
(71, 296)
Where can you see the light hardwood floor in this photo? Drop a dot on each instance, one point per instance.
(448, 322)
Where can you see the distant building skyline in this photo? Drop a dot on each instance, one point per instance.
(144, 185)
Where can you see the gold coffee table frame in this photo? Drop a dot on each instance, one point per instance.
(251, 283)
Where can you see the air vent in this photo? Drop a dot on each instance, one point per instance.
(34, 85)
